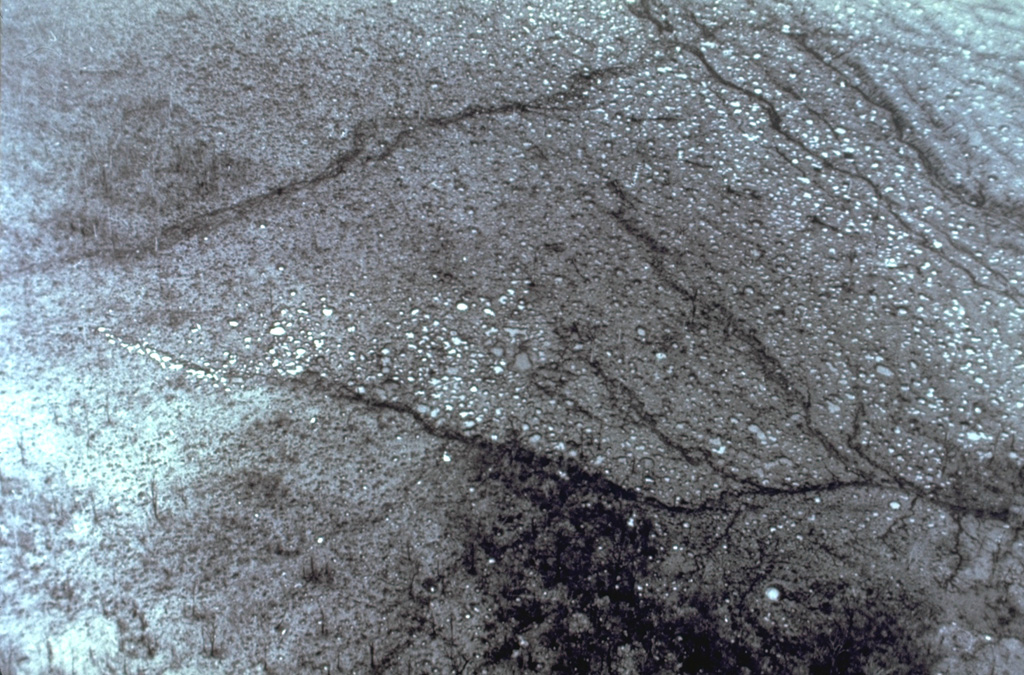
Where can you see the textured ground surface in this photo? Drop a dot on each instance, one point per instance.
(631, 337)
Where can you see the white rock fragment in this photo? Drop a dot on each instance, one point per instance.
(522, 362)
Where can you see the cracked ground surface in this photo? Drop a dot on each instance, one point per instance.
(504, 337)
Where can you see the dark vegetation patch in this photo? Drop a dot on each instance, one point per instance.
(571, 562)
